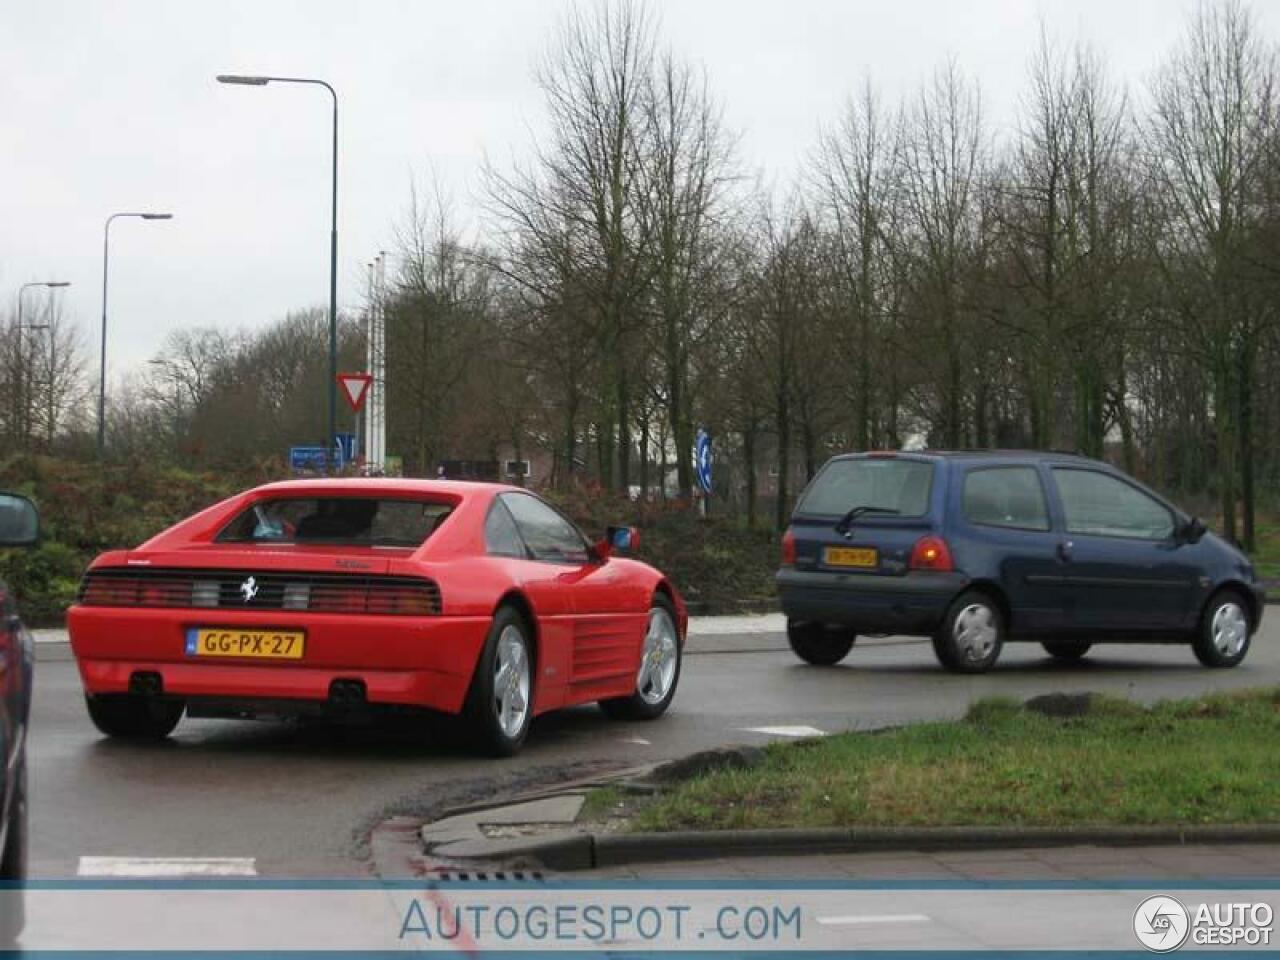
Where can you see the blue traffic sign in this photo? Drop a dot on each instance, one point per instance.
(702, 459)
(308, 458)
(344, 449)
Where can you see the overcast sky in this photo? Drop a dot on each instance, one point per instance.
(108, 106)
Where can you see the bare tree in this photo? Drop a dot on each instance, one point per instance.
(61, 391)
(688, 167)
(438, 326)
(595, 78)
(856, 177)
(943, 150)
(1214, 113)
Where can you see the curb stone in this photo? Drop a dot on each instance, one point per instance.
(588, 851)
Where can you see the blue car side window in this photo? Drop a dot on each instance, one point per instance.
(1100, 505)
(1011, 497)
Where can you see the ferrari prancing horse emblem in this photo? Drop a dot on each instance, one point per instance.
(250, 589)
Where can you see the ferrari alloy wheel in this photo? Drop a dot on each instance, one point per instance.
(500, 704)
(134, 718)
(659, 669)
(1225, 631)
(511, 682)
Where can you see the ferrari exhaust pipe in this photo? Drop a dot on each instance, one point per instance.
(347, 693)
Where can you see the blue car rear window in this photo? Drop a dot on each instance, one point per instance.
(898, 485)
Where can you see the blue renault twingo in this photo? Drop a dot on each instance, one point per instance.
(977, 548)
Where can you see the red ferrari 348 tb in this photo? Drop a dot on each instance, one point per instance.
(347, 596)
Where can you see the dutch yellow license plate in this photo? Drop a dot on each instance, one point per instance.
(253, 644)
(850, 557)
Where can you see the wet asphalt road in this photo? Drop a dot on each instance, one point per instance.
(301, 801)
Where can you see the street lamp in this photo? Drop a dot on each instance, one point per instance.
(255, 81)
(51, 285)
(102, 374)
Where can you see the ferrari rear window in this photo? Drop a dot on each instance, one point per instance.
(358, 521)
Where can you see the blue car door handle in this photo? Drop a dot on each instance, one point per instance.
(1064, 549)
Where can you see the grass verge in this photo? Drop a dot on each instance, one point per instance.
(1210, 760)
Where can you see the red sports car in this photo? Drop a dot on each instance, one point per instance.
(348, 596)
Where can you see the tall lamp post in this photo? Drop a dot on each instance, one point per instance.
(256, 81)
(51, 285)
(102, 372)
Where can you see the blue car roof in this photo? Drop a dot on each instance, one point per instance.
(1057, 456)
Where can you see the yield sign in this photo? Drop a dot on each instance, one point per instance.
(355, 387)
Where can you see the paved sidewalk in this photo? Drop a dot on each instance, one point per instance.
(747, 623)
(1061, 864)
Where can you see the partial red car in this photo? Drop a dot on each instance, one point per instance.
(352, 596)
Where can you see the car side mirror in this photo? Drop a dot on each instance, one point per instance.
(617, 540)
(1193, 530)
(19, 521)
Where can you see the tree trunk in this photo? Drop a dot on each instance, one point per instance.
(644, 458)
(624, 424)
(810, 450)
(1226, 466)
(570, 439)
(1244, 437)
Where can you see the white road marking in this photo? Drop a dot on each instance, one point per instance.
(852, 921)
(800, 731)
(637, 740)
(167, 867)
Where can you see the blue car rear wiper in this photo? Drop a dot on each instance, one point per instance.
(846, 522)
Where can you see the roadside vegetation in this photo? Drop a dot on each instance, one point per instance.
(89, 507)
(1204, 761)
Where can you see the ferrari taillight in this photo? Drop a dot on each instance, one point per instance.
(398, 601)
(110, 592)
(329, 599)
(931, 553)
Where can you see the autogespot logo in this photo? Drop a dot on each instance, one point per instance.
(1161, 924)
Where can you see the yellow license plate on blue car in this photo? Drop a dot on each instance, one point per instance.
(859, 557)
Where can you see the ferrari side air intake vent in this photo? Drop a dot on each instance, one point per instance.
(244, 590)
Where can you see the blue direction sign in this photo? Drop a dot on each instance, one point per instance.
(702, 459)
(345, 448)
(302, 459)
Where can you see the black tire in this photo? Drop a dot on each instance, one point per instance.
(1225, 632)
(653, 704)
(818, 644)
(962, 642)
(13, 862)
(483, 711)
(134, 718)
(1067, 650)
